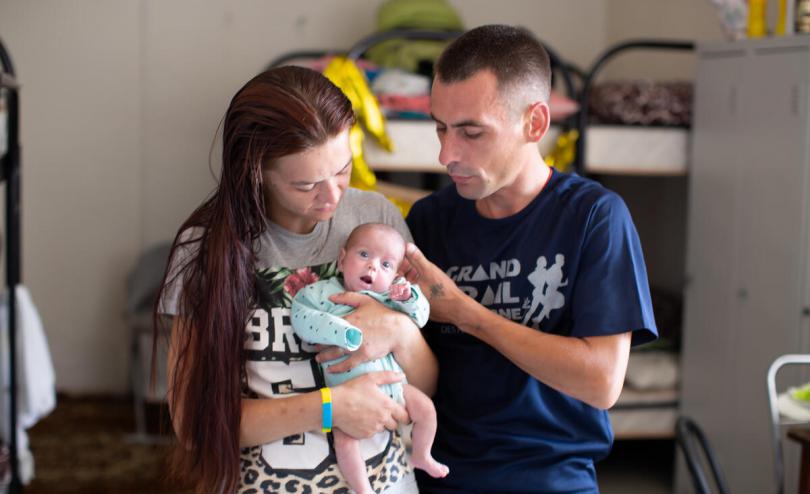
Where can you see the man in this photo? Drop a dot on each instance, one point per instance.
(539, 287)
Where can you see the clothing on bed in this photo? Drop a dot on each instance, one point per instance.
(642, 102)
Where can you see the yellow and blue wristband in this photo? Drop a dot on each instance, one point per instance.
(326, 409)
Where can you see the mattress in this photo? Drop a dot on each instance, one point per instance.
(645, 414)
(637, 150)
(416, 147)
(648, 405)
(610, 149)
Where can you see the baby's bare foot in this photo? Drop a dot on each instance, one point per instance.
(430, 466)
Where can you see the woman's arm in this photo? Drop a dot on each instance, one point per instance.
(386, 331)
(359, 407)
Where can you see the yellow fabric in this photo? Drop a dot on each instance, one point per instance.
(362, 176)
(345, 74)
(565, 149)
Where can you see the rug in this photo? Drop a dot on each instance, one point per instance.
(85, 445)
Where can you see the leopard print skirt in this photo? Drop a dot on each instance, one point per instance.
(386, 470)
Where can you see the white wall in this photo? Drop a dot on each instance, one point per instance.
(576, 29)
(120, 102)
(78, 63)
(658, 19)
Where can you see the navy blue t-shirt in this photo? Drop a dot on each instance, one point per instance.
(570, 263)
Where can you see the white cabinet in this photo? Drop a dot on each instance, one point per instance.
(747, 298)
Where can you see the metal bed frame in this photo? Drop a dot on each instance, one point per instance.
(598, 65)
(10, 173)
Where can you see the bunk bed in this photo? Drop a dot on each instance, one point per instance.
(10, 174)
(648, 407)
(635, 149)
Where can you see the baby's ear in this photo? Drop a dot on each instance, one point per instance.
(341, 256)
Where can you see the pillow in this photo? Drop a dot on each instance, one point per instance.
(648, 370)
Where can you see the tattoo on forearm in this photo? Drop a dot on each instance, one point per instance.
(436, 290)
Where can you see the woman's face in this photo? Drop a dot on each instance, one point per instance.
(304, 188)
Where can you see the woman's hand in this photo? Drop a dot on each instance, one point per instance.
(361, 409)
(383, 331)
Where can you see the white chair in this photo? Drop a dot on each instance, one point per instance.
(778, 421)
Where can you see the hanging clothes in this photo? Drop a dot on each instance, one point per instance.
(36, 391)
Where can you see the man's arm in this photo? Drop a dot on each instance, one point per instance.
(590, 369)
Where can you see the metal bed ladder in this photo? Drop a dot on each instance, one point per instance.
(10, 173)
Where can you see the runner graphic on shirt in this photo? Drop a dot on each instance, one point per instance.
(546, 281)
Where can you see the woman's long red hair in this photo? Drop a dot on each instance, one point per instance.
(280, 112)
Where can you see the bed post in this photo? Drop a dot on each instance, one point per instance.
(11, 174)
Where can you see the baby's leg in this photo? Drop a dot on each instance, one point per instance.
(351, 463)
(423, 415)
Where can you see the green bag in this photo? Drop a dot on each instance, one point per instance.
(407, 54)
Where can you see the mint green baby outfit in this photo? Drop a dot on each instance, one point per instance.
(316, 319)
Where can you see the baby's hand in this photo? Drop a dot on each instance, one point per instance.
(400, 290)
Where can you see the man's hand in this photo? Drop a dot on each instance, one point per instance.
(446, 299)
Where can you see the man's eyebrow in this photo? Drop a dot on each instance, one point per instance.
(307, 182)
(463, 123)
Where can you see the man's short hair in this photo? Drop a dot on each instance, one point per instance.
(516, 58)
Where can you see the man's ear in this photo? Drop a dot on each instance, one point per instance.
(538, 119)
(341, 256)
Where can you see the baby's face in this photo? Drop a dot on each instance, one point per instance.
(371, 262)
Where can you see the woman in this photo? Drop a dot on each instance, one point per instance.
(244, 392)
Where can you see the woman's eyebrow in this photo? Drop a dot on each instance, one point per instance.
(348, 164)
(307, 182)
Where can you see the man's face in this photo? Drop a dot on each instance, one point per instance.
(371, 261)
(480, 136)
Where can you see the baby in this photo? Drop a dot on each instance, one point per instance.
(369, 261)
